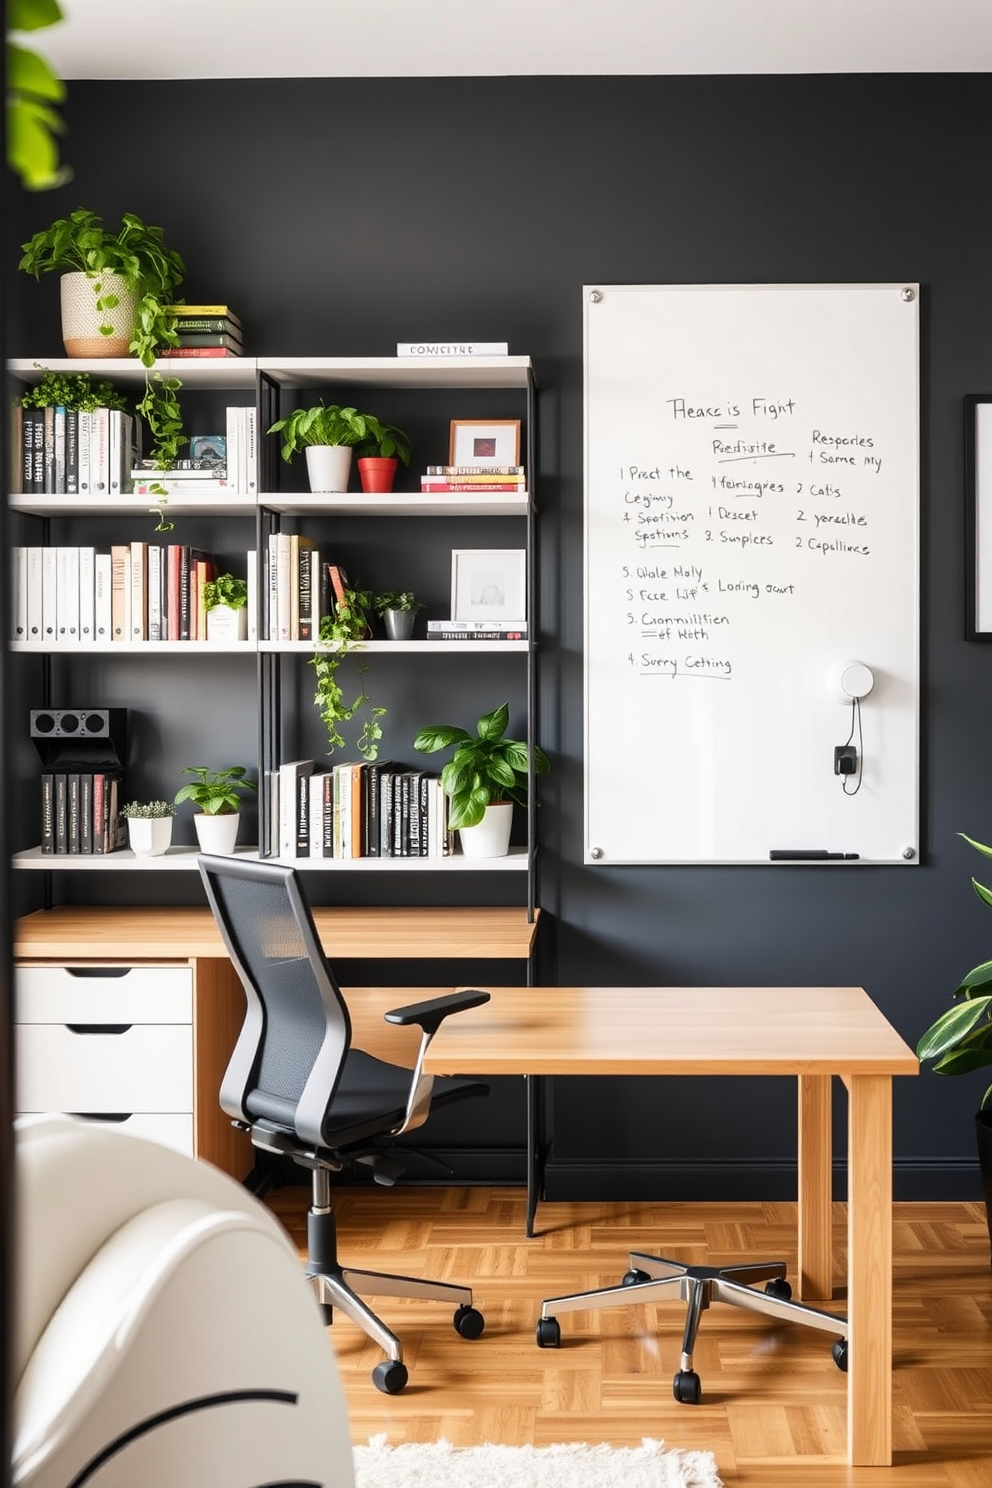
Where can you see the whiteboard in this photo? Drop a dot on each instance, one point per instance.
(751, 529)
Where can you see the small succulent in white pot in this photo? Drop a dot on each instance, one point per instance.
(149, 827)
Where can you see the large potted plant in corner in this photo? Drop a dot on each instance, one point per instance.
(328, 434)
(960, 1041)
(483, 778)
(215, 793)
(378, 455)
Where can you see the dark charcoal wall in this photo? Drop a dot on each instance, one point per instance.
(341, 217)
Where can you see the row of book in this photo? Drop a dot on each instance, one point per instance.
(357, 809)
(474, 479)
(205, 331)
(81, 812)
(139, 591)
(66, 452)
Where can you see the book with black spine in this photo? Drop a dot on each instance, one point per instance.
(85, 812)
(61, 813)
(372, 776)
(73, 833)
(47, 813)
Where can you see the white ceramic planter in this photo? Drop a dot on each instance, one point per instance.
(328, 466)
(491, 838)
(217, 834)
(225, 624)
(149, 836)
(81, 320)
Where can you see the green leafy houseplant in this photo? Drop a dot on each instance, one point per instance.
(75, 390)
(225, 589)
(384, 441)
(485, 768)
(215, 792)
(339, 634)
(325, 424)
(145, 810)
(137, 252)
(395, 599)
(960, 1040)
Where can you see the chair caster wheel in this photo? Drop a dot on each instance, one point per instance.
(634, 1278)
(390, 1377)
(686, 1387)
(548, 1333)
(469, 1322)
(779, 1288)
(839, 1352)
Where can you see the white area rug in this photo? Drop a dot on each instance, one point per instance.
(439, 1465)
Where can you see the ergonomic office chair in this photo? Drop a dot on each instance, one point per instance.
(300, 1089)
(164, 1333)
(655, 1279)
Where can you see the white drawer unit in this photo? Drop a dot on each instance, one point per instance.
(108, 1042)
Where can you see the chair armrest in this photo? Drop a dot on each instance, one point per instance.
(431, 1014)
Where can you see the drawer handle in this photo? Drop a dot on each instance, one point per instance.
(98, 1027)
(98, 971)
(102, 1115)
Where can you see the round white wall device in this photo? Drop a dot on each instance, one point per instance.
(856, 681)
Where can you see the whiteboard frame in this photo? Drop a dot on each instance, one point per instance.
(911, 854)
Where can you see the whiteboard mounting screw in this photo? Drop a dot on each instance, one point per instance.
(595, 295)
(596, 852)
(909, 853)
(908, 294)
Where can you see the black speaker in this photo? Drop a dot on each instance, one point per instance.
(80, 738)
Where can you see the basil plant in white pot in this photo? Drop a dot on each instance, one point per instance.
(216, 795)
(483, 778)
(149, 827)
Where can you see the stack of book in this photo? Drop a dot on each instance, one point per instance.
(205, 331)
(477, 630)
(469, 479)
(62, 451)
(356, 810)
(81, 812)
(138, 591)
(216, 464)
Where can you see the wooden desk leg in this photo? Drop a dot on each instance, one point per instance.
(815, 1188)
(869, 1271)
(535, 1148)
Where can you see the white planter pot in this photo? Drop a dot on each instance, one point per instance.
(328, 466)
(225, 624)
(81, 320)
(149, 836)
(217, 834)
(491, 838)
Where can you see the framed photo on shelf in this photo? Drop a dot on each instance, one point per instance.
(488, 584)
(495, 442)
(978, 516)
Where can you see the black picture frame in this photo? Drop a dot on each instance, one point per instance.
(978, 516)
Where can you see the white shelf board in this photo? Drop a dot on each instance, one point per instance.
(399, 372)
(308, 647)
(183, 860)
(397, 504)
(235, 373)
(224, 504)
(145, 648)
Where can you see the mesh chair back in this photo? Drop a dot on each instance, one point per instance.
(297, 1030)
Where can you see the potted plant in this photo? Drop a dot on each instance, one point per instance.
(225, 600)
(960, 1041)
(118, 290)
(398, 610)
(328, 434)
(339, 634)
(378, 455)
(483, 778)
(215, 793)
(149, 827)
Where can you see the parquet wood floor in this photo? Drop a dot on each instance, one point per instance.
(773, 1408)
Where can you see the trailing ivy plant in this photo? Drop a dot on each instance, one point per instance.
(339, 634)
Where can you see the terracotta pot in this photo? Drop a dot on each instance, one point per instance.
(376, 474)
(81, 320)
(491, 838)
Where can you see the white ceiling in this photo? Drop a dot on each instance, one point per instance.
(457, 38)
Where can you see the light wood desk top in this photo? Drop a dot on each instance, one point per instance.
(811, 1033)
(102, 932)
(671, 1031)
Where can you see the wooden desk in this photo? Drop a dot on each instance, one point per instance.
(808, 1032)
(107, 936)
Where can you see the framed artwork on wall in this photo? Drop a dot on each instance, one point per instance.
(487, 445)
(978, 516)
(488, 584)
